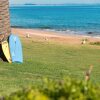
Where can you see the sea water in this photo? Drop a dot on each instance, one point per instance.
(81, 19)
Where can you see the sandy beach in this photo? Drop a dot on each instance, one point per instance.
(53, 36)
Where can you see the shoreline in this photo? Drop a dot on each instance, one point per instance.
(42, 34)
(64, 32)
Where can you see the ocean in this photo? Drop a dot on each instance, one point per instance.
(81, 19)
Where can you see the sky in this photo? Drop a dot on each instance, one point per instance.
(54, 1)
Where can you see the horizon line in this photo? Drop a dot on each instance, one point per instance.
(57, 4)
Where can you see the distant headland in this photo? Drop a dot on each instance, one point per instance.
(32, 4)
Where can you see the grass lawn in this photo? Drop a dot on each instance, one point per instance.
(47, 59)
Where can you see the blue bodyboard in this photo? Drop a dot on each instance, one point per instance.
(15, 49)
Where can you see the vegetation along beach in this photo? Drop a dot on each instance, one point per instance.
(61, 52)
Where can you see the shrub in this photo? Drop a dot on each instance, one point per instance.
(95, 43)
(66, 89)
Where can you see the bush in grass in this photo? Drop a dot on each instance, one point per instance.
(67, 89)
(95, 43)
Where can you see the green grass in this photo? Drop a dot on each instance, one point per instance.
(47, 59)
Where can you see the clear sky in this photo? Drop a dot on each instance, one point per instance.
(53, 1)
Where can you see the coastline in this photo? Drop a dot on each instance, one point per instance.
(49, 35)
